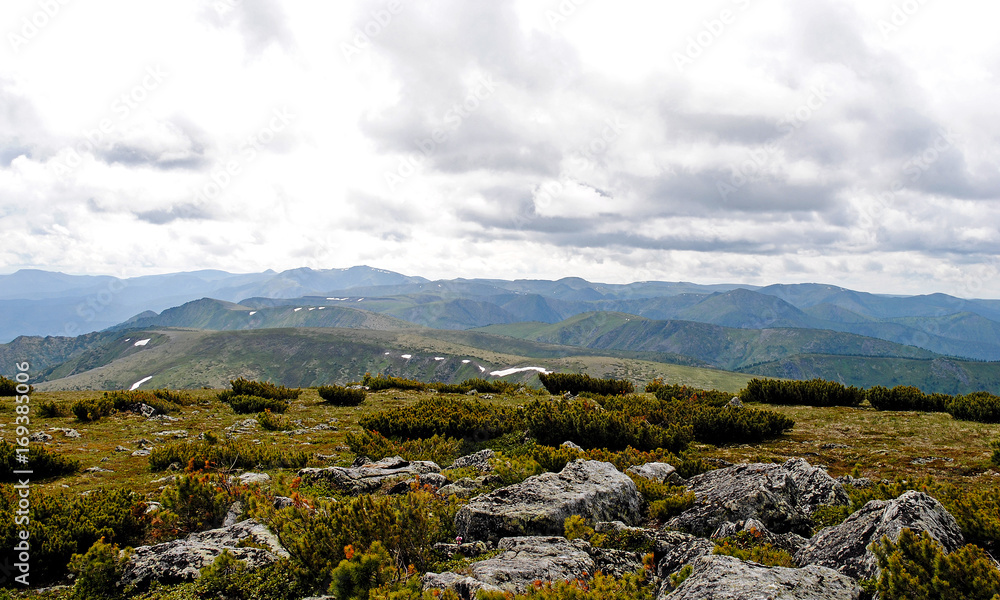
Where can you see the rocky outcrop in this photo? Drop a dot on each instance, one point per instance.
(524, 560)
(479, 461)
(730, 578)
(782, 497)
(539, 505)
(182, 560)
(789, 542)
(368, 477)
(673, 550)
(658, 471)
(845, 547)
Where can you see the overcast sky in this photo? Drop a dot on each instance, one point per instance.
(752, 141)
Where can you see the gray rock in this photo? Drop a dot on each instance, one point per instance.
(465, 586)
(146, 410)
(254, 478)
(283, 502)
(477, 460)
(121, 449)
(67, 432)
(141, 452)
(527, 559)
(39, 436)
(435, 480)
(370, 476)
(463, 488)
(571, 446)
(844, 547)
(656, 471)
(735, 403)
(233, 514)
(783, 497)
(182, 560)
(732, 579)
(674, 549)
(539, 505)
(789, 542)
(616, 563)
(175, 433)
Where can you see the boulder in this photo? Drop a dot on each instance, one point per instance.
(477, 460)
(370, 476)
(844, 547)
(528, 559)
(730, 578)
(616, 563)
(671, 549)
(782, 497)
(465, 586)
(538, 506)
(463, 488)
(249, 478)
(789, 542)
(182, 560)
(657, 471)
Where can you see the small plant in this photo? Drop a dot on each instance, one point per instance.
(243, 405)
(98, 572)
(272, 422)
(341, 396)
(49, 410)
(749, 545)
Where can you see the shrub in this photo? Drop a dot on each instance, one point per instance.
(915, 567)
(272, 422)
(906, 397)
(229, 578)
(262, 389)
(483, 386)
(358, 573)
(996, 452)
(749, 545)
(815, 392)
(575, 383)
(439, 449)
(341, 396)
(93, 409)
(98, 572)
(983, 407)
(388, 382)
(42, 462)
(176, 397)
(663, 500)
(63, 525)
(686, 465)
(585, 424)
(692, 395)
(194, 502)
(243, 405)
(231, 454)
(8, 387)
(446, 416)
(600, 587)
(629, 540)
(48, 410)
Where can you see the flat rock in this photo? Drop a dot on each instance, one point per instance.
(656, 471)
(370, 476)
(782, 497)
(539, 505)
(254, 478)
(529, 559)
(182, 560)
(729, 578)
(477, 460)
(844, 547)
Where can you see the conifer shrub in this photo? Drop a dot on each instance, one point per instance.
(592, 427)
(93, 409)
(164, 401)
(483, 386)
(44, 463)
(244, 405)
(749, 545)
(193, 502)
(388, 382)
(576, 383)
(341, 396)
(599, 587)
(446, 416)
(8, 387)
(263, 389)
(439, 449)
(996, 452)
(269, 421)
(230, 578)
(230, 454)
(906, 397)
(982, 407)
(98, 572)
(692, 395)
(815, 392)
(61, 525)
(915, 567)
(49, 410)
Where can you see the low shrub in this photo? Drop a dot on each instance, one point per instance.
(663, 500)
(446, 416)
(230, 454)
(358, 573)
(194, 502)
(982, 407)
(483, 386)
(269, 421)
(599, 587)
(232, 579)
(592, 427)
(175, 397)
(244, 405)
(692, 395)
(439, 449)
(62, 525)
(341, 396)
(749, 546)
(8, 387)
(906, 397)
(628, 540)
(726, 425)
(93, 409)
(915, 567)
(388, 382)
(263, 389)
(42, 462)
(815, 392)
(98, 572)
(576, 383)
(996, 452)
(49, 410)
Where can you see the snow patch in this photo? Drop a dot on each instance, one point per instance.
(253, 312)
(141, 342)
(482, 369)
(136, 385)
(129, 340)
(360, 299)
(406, 356)
(465, 362)
(313, 308)
(297, 309)
(507, 372)
(322, 307)
(438, 358)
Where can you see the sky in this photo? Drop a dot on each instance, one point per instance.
(742, 141)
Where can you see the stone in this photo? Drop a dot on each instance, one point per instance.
(435, 480)
(176, 434)
(735, 403)
(67, 432)
(39, 436)
(657, 471)
(463, 488)
(730, 578)
(141, 452)
(233, 514)
(254, 478)
(845, 547)
(595, 490)
(146, 410)
(370, 476)
(181, 560)
(525, 560)
(782, 497)
(477, 460)
(121, 449)
(466, 587)
(571, 446)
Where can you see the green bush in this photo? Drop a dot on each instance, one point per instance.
(982, 407)
(599, 587)
(692, 395)
(42, 462)
(387, 382)
(815, 392)
(194, 502)
(483, 386)
(446, 416)
(231, 454)
(749, 546)
(63, 525)
(996, 452)
(230, 579)
(686, 464)
(98, 572)
(262, 389)
(269, 421)
(93, 409)
(244, 405)
(49, 410)
(439, 449)
(341, 396)
(915, 567)
(906, 397)
(576, 383)
(592, 427)
(358, 573)
(8, 387)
